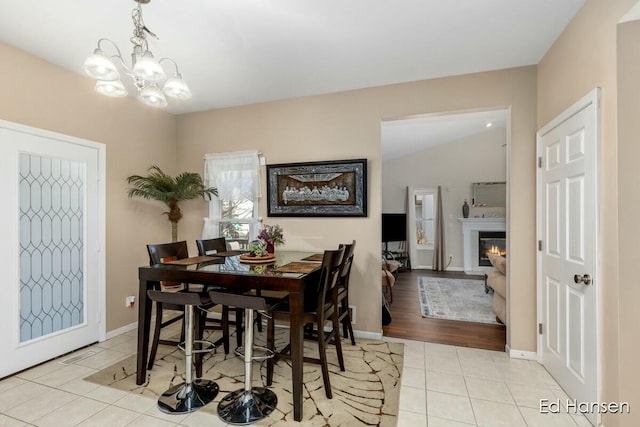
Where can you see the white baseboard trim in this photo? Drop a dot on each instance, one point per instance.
(377, 336)
(520, 354)
(359, 334)
(126, 328)
(429, 267)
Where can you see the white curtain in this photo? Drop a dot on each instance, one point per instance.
(439, 258)
(236, 176)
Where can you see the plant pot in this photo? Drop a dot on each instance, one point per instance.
(271, 249)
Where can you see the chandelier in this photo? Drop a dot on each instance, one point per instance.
(145, 70)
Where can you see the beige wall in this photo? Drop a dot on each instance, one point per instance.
(478, 158)
(336, 126)
(39, 94)
(628, 204)
(584, 57)
(347, 125)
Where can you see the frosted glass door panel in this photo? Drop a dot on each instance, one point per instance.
(51, 245)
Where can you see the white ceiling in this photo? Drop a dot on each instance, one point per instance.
(406, 136)
(237, 52)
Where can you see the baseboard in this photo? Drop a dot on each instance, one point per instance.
(127, 328)
(520, 354)
(359, 334)
(377, 336)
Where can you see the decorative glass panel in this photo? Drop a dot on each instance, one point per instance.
(51, 245)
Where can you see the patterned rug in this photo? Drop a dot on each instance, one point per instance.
(366, 394)
(455, 299)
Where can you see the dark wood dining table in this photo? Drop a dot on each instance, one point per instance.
(230, 272)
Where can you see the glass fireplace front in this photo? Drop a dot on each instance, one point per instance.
(491, 242)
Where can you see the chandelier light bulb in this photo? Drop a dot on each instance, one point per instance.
(153, 96)
(148, 69)
(98, 66)
(113, 88)
(176, 88)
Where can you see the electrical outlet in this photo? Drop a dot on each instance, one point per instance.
(130, 301)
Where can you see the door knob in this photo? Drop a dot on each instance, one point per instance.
(586, 279)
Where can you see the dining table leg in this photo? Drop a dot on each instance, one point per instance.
(296, 311)
(144, 324)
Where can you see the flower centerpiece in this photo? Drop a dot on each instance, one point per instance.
(257, 248)
(272, 236)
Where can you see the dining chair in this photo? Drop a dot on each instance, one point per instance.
(314, 319)
(158, 254)
(211, 246)
(163, 253)
(217, 245)
(342, 292)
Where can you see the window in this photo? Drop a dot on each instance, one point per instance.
(422, 225)
(425, 219)
(234, 213)
(236, 219)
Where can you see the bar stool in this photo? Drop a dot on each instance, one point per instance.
(191, 394)
(249, 404)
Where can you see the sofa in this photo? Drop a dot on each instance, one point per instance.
(497, 280)
(390, 268)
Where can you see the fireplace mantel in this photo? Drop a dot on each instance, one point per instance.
(470, 229)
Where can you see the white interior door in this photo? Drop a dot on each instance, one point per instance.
(51, 250)
(567, 230)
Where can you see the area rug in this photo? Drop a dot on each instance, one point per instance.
(455, 299)
(366, 394)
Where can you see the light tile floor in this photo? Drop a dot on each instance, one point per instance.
(447, 386)
(442, 386)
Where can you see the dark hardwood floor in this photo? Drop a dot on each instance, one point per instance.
(408, 323)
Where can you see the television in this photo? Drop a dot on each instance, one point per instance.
(394, 227)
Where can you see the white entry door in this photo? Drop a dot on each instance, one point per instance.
(52, 220)
(567, 233)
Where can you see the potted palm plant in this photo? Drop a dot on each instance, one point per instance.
(170, 191)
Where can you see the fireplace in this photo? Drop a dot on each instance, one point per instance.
(491, 242)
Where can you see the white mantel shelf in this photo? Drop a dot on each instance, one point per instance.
(470, 229)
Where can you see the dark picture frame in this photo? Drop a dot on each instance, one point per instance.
(329, 188)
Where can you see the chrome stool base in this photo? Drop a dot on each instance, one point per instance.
(184, 398)
(243, 407)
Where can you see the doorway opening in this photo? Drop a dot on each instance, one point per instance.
(452, 151)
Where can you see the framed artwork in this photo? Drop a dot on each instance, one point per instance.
(331, 188)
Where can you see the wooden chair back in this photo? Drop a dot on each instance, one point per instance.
(329, 275)
(211, 246)
(160, 253)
